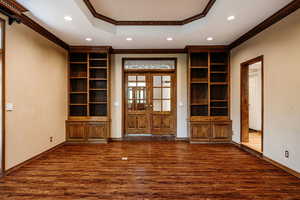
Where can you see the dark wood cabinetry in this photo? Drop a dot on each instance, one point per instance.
(87, 131)
(201, 131)
(76, 131)
(208, 89)
(89, 94)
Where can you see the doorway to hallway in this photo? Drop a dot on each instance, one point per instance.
(252, 104)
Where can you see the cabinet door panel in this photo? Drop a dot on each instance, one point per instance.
(201, 131)
(97, 131)
(76, 131)
(222, 130)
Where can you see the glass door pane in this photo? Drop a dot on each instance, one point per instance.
(162, 93)
(136, 93)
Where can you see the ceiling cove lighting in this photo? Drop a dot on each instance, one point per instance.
(230, 18)
(88, 39)
(68, 18)
(129, 39)
(209, 38)
(169, 39)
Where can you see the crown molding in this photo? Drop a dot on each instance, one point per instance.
(282, 13)
(201, 48)
(19, 11)
(149, 23)
(42, 31)
(90, 48)
(13, 6)
(148, 51)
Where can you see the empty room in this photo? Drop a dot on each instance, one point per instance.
(150, 99)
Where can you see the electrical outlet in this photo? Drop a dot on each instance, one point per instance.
(51, 139)
(287, 154)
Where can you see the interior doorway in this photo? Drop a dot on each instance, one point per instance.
(150, 100)
(252, 104)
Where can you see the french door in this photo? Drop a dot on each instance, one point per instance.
(150, 103)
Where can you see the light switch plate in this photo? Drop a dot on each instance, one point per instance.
(9, 107)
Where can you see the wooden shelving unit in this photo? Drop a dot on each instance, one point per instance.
(208, 92)
(89, 94)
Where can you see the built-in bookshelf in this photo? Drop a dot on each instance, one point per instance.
(208, 93)
(89, 76)
(88, 84)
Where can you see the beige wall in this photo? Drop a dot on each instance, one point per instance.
(280, 45)
(116, 103)
(36, 83)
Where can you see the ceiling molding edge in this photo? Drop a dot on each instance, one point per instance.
(279, 15)
(20, 10)
(149, 51)
(149, 23)
(103, 25)
(185, 50)
(13, 6)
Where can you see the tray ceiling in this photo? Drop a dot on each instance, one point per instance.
(153, 12)
(50, 14)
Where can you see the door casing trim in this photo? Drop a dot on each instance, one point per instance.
(158, 70)
(242, 78)
(3, 36)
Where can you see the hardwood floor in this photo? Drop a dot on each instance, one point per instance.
(255, 141)
(154, 170)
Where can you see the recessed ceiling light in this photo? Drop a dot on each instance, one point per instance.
(88, 39)
(230, 18)
(169, 39)
(209, 38)
(68, 18)
(129, 39)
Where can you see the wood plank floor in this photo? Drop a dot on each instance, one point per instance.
(154, 170)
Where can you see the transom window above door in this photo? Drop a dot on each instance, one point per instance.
(149, 64)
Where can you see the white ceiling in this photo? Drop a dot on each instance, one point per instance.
(147, 10)
(249, 13)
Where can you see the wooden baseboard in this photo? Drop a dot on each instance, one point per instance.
(247, 149)
(115, 139)
(185, 139)
(151, 138)
(283, 167)
(208, 142)
(7, 172)
(269, 160)
(236, 144)
(252, 151)
(104, 141)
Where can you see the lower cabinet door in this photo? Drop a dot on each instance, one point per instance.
(221, 131)
(201, 131)
(76, 132)
(97, 131)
